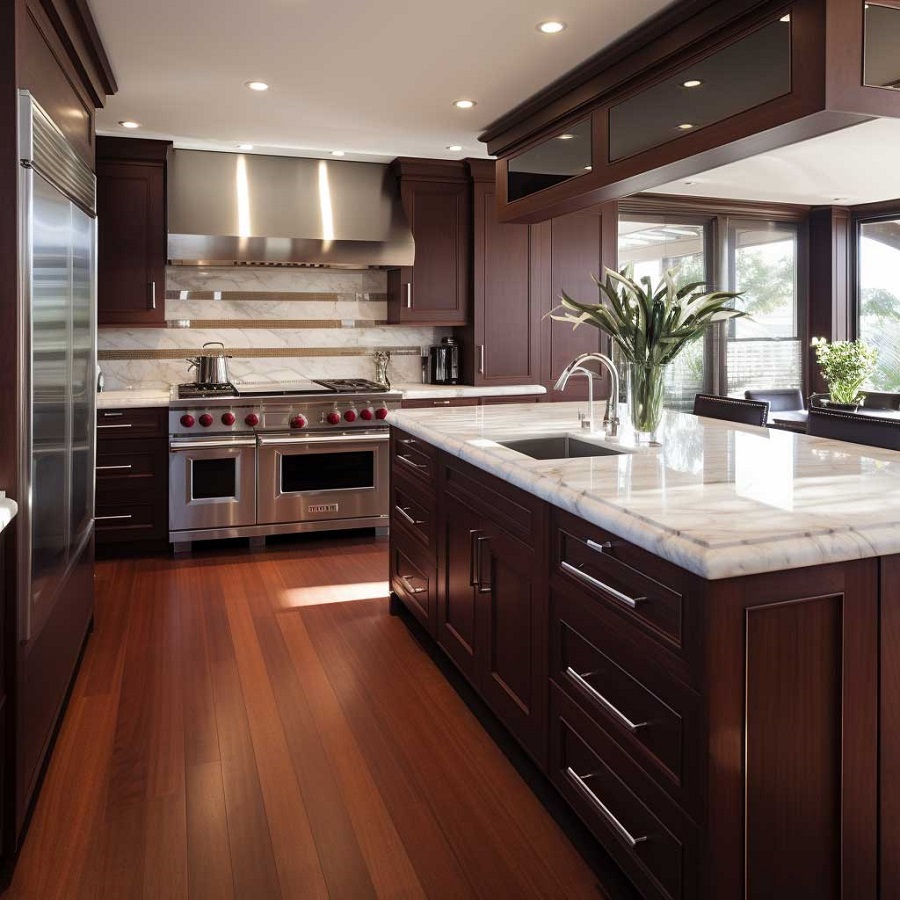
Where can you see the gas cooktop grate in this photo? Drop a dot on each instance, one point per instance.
(352, 385)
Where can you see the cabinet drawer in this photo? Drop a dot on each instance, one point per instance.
(439, 403)
(654, 848)
(650, 714)
(523, 398)
(115, 424)
(126, 523)
(127, 461)
(413, 512)
(620, 575)
(413, 457)
(413, 579)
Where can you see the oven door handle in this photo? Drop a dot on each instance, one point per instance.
(177, 446)
(325, 439)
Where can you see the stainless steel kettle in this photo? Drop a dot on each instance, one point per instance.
(211, 368)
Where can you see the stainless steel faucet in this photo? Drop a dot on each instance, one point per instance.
(576, 367)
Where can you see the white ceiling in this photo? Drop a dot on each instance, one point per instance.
(857, 164)
(376, 80)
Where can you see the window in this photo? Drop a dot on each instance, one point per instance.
(653, 247)
(879, 298)
(765, 349)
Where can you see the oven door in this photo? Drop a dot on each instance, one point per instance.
(212, 483)
(323, 477)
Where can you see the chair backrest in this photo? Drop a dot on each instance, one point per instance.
(873, 431)
(881, 400)
(747, 412)
(779, 399)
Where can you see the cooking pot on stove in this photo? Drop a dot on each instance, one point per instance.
(210, 368)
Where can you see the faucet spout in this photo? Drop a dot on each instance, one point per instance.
(577, 366)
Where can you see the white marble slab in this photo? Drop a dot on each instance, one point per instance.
(718, 499)
(443, 391)
(132, 399)
(8, 510)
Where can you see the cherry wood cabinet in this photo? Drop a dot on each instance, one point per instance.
(718, 738)
(435, 290)
(131, 231)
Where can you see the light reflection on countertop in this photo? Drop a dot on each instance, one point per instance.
(717, 498)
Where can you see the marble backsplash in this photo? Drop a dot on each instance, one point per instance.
(279, 325)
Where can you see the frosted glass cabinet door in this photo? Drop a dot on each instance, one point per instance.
(50, 327)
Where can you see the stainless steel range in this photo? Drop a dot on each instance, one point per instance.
(255, 460)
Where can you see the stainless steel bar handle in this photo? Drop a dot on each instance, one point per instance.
(152, 295)
(582, 682)
(409, 462)
(176, 447)
(111, 518)
(325, 439)
(404, 580)
(631, 602)
(129, 425)
(111, 415)
(620, 829)
(408, 441)
(441, 402)
(482, 587)
(481, 359)
(111, 468)
(474, 571)
(409, 295)
(605, 547)
(404, 512)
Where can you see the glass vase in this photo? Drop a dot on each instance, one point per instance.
(645, 394)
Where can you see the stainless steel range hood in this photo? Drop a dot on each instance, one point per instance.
(228, 209)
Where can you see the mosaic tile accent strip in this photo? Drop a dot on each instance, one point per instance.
(276, 323)
(255, 352)
(276, 296)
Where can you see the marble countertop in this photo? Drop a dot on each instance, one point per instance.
(8, 510)
(129, 399)
(716, 498)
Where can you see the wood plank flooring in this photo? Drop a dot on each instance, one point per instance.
(256, 725)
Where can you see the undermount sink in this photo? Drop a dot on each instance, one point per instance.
(559, 447)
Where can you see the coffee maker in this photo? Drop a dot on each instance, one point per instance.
(443, 365)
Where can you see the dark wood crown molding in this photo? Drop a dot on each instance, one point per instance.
(122, 149)
(650, 204)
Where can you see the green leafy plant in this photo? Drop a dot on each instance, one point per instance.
(846, 366)
(650, 325)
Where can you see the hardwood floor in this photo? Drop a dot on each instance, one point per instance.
(256, 725)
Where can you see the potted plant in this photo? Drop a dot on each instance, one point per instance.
(846, 366)
(650, 326)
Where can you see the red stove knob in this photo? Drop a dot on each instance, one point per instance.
(367, 414)
(333, 418)
(251, 419)
(228, 418)
(187, 420)
(350, 415)
(298, 422)
(206, 420)
(381, 413)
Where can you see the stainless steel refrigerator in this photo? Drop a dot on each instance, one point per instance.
(57, 359)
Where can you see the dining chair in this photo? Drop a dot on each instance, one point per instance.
(779, 399)
(856, 428)
(732, 409)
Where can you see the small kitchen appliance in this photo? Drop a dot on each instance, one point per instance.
(444, 362)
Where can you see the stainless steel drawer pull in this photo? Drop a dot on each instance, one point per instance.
(409, 296)
(442, 402)
(129, 425)
(111, 518)
(620, 829)
(152, 295)
(605, 547)
(406, 583)
(631, 602)
(111, 468)
(481, 361)
(408, 441)
(404, 511)
(583, 683)
(409, 462)
(112, 415)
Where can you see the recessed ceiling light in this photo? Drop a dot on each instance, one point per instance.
(551, 27)
(245, 146)
(337, 152)
(454, 148)
(786, 18)
(690, 182)
(257, 85)
(565, 137)
(464, 104)
(129, 124)
(686, 126)
(692, 82)
(839, 199)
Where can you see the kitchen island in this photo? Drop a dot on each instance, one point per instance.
(688, 638)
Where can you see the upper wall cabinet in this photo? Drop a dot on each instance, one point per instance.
(691, 91)
(436, 199)
(131, 231)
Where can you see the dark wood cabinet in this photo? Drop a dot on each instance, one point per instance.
(132, 494)
(131, 231)
(435, 290)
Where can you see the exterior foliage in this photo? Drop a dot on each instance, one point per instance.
(846, 365)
